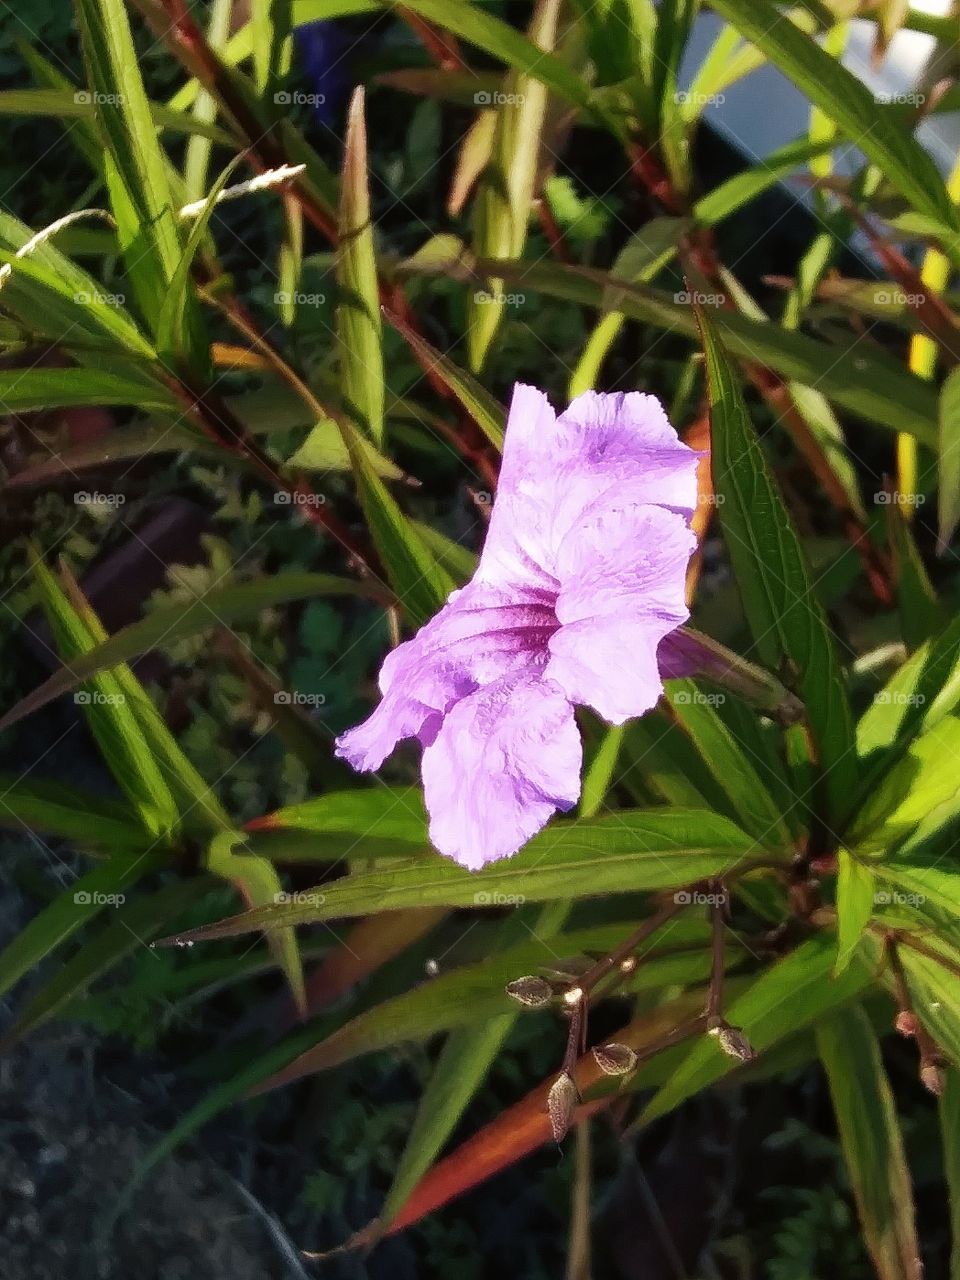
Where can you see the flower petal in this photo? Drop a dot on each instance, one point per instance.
(515, 550)
(610, 447)
(505, 760)
(623, 571)
(480, 635)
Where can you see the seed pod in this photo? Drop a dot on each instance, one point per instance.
(732, 1040)
(614, 1059)
(907, 1022)
(530, 991)
(933, 1076)
(561, 1103)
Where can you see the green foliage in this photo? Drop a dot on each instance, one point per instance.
(317, 362)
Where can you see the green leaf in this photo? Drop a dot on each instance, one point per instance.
(792, 994)
(486, 412)
(459, 1072)
(475, 993)
(918, 694)
(840, 95)
(132, 926)
(496, 37)
(80, 903)
(420, 582)
(219, 607)
(785, 617)
(855, 900)
(175, 309)
(51, 296)
(358, 308)
(872, 1144)
(111, 719)
(135, 165)
(948, 459)
(190, 790)
(388, 813)
(874, 388)
(58, 810)
(506, 188)
(259, 885)
(726, 760)
(626, 852)
(919, 793)
(27, 390)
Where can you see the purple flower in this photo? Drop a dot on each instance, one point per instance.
(581, 577)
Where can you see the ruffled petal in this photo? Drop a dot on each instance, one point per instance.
(615, 448)
(623, 571)
(480, 635)
(505, 760)
(516, 550)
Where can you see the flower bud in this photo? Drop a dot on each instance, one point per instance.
(561, 1104)
(907, 1022)
(732, 1040)
(614, 1059)
(530, 991)
(933, 1077)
